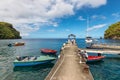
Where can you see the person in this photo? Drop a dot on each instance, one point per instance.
(72, 41)
(99, 54)
(79, 51)
(85, 54)
(82, 53)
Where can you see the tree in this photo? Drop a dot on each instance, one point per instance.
(8, 32)
(113, 32)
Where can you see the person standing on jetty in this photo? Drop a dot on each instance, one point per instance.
(73, 41)
(84, 54)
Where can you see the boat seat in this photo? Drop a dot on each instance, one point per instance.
(18, 58)
(26, 59)
(33, 58)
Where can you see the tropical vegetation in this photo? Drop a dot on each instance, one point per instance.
(8, 32)
(113, 32)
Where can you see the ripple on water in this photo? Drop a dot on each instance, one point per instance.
(109, 69)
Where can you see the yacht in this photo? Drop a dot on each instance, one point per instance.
(89, 42)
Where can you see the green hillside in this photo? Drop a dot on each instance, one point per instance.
(113, 32)
(8, 32)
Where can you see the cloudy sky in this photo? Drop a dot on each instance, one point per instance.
(58, 18)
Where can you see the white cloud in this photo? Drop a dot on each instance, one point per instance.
(81, 18)
(51, 30)
(89, 3)
(24, 12)
(67, 30)
(117, 15)
(55, 24)
(26, 29)
(94, 16)
(60, 9)
(96, 27)
(98, 17)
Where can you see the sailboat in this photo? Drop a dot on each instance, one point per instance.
(88, 40)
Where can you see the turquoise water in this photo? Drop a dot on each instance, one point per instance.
(109, 69)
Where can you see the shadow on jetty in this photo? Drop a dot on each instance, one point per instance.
(33, 68)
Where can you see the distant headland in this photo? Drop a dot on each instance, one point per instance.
(8, 32)
(113, 32)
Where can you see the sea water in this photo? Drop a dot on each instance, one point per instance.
(108, 69)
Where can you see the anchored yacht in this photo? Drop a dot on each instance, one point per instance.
(89, 42)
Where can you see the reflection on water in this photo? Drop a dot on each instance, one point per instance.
(30, 73)
(33, 68)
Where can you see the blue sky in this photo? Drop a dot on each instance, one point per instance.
(59, 18)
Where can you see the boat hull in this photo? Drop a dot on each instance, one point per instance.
(89, 45)
(95, 58)
(48, 51)
(32, 63)
(89, 42)
(19, 44)
(16, 44)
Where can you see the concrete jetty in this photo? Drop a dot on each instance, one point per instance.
(105, 46)
(106, 51)
(68, 66)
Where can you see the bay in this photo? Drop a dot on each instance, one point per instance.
(106, 70)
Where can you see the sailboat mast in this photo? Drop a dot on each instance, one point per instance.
(87, 26)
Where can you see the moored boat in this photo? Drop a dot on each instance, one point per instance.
(19, 44)
(48, 51)
(89, 42)
(16, 44)
(95, 58)
(31, 61)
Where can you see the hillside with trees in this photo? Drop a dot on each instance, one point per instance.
(113, 32)
(8, 32)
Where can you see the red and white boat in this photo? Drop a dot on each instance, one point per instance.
(95, 58)
(48, 51)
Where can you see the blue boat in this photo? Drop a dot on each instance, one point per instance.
(31, 61)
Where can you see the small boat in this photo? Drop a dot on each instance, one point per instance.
(95, 58)
(16, 44)
(89, 42)
(48, 51)
(32, 60)
(19, 44)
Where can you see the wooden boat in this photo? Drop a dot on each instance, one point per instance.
(48, 51)
(16, 44)
(19, 44)
(31, 61)
(95, 58)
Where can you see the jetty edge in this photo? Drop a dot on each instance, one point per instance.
(103, 51)
(68, 66)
